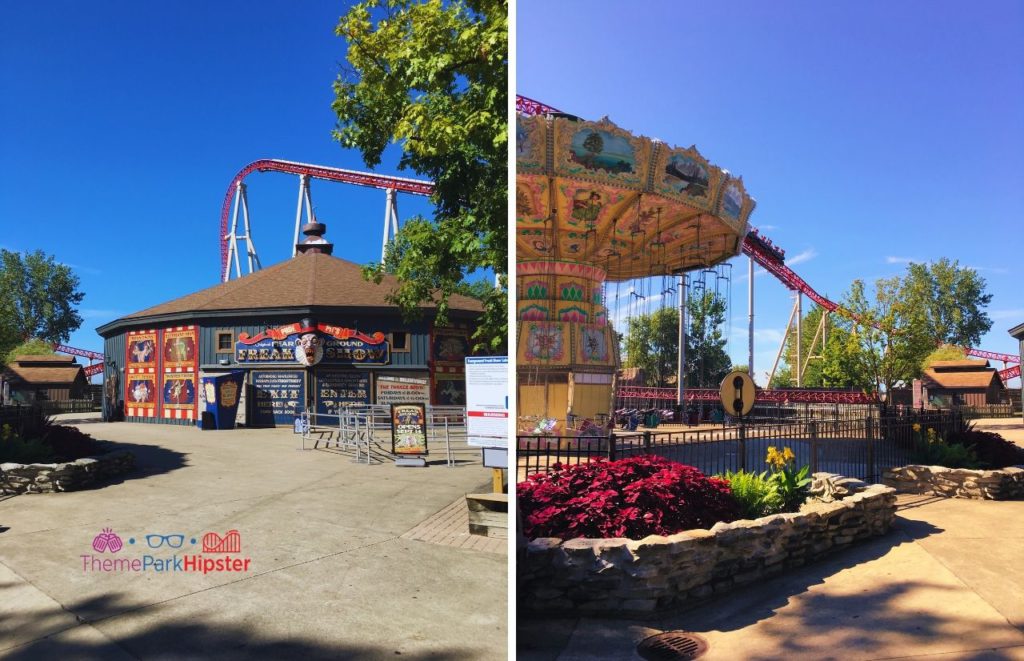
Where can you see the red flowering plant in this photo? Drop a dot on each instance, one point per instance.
(633, 498)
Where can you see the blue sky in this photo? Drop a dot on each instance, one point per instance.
(123, 124)
(870, 133)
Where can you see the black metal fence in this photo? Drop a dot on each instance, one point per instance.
(15, 413)
(860, 448)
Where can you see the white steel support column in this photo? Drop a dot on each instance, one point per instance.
(782, 347)
(230, 238)
(390, 220)
(799, 340)
(303, 199)
(250, 247)
(681, 366)
(750, 312)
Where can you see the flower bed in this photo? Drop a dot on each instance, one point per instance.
(636, 577)
(69, 476)
(633, 498)
(1000, 484)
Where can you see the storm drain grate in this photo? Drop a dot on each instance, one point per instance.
(672, 646)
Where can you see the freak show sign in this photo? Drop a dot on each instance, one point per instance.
(313, 345)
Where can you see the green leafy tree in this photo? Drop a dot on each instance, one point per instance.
(839, 366)
(652, 344)
(951, 299)
(33, 347)
(783, 378)
(889, 339)
(707, 362)
(431, 76)
(811, 365)
(38, 299)
(830, 365)
(945, 352)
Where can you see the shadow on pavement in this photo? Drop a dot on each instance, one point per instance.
(181, 638)
(149, 460)
(544, 637)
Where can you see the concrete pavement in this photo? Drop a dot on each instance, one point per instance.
(331, 574)
(946, 584)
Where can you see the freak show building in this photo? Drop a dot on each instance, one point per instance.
(308, 333)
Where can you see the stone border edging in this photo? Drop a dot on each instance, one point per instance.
(67, 476)
(1001, 484)
(624, 577)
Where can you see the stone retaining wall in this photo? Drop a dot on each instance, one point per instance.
(70, 476)
(1001, 484)
(635, 578)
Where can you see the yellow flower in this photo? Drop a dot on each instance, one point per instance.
(788, 456)
(775, 458)
(917, 426)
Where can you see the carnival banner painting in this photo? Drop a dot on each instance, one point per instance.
(141, 350)
(179, 348)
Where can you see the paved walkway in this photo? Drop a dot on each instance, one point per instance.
(332, 575)
(448, 528)
(946, 584)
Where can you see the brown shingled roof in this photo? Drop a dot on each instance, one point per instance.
(980, 378)
(967, 363)
(44, 375)
(310, 279)
(54, 358)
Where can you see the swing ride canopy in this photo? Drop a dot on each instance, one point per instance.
(592, 193)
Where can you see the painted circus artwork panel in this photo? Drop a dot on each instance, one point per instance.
(140, 394)
(142, 352)
(179, 348)
(179, 391)
(408, 429)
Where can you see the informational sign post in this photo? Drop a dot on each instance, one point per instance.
(487, 411)
(408, 429)
(487, 401)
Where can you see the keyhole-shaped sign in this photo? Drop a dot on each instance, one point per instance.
(737, 393)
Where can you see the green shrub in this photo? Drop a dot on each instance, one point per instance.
(757, 495)
(992, 450)
(938, 453)
(19, 451)
(793, 484)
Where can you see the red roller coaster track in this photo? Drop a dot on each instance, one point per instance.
(384, 182)
(760, 249)
(798, 396)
